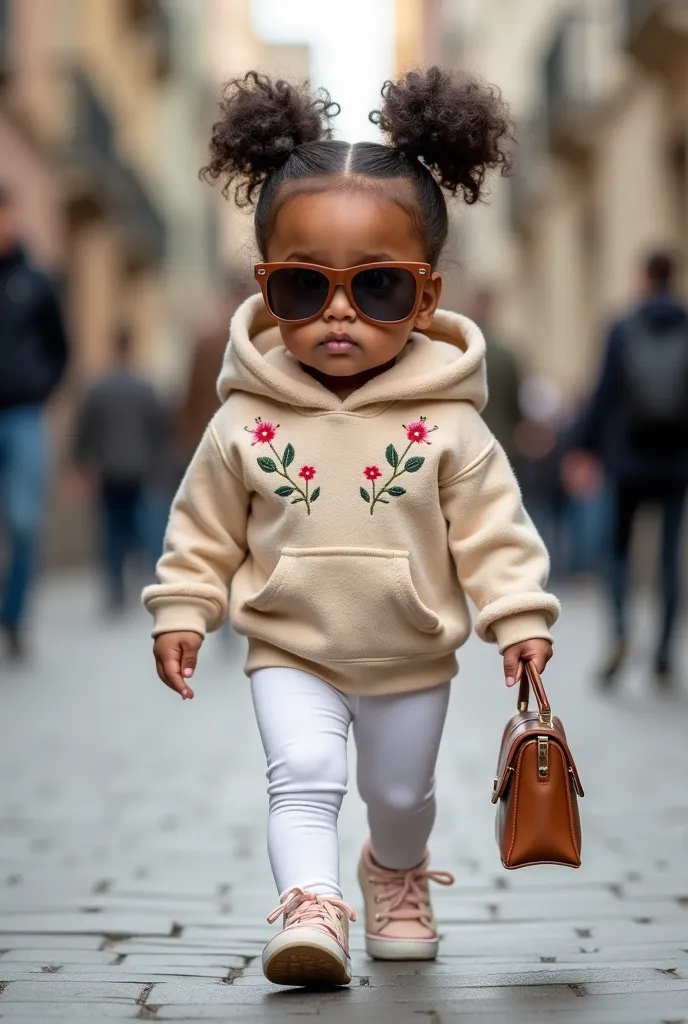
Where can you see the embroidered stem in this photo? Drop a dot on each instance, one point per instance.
(282, 472)
(397, 473)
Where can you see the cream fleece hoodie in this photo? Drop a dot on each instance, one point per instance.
(350, 532)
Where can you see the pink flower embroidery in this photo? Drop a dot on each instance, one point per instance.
(263, 432)
(418, 432)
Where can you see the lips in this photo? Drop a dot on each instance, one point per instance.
(338, 342)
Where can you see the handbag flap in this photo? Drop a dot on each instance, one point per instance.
(523, 727)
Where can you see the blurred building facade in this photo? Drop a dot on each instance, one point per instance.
(599, 89)
(106, 108)
(233, 48)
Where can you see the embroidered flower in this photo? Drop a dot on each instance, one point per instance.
(418, 432)
(263, 432)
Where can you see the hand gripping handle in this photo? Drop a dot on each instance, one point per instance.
(530, 678)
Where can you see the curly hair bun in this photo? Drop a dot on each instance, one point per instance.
(455, 123)
(261, 123)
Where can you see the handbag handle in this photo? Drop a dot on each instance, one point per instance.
(530, 678)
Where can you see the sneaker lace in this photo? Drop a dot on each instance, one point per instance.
(300, 907)
(405, 893)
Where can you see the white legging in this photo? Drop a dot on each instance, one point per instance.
(304, 724)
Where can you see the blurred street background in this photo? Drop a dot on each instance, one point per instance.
(128, 269)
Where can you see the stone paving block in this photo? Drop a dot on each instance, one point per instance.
(41, 940)
(619, 1015)
(627, 978)
(94, 974)
(87, 924)
(57, 956)
(567, 907)
(170, 958)
(259, 1012)
(172, 948)
(17, 900)
(85, 1013)
(69, 992)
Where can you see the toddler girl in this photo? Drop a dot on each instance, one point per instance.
(350, 495)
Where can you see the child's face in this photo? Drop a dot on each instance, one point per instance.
(346, 229)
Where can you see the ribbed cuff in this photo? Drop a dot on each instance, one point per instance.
(173, 616)
(514, 629)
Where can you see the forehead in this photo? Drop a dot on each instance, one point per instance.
(344, 227)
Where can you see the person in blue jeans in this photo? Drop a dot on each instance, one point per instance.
(637, 425)
(122, 445)
(33, 358)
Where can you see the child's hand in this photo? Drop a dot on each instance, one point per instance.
(175, 659)
(537, 651)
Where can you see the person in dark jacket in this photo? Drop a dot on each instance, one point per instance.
(122, 444)
(33, 358)
(637, 425)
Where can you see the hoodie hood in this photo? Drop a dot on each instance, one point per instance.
(445, 363)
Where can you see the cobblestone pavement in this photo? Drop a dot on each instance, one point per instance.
(134, 881)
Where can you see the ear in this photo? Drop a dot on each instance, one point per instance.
(429, 302)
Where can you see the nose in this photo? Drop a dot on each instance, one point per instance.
(340, 307)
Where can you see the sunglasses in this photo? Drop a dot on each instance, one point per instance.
(383, 293)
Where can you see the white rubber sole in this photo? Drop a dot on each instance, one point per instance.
(401, 949)
(305, 957)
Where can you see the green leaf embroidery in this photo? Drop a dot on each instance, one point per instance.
(413, 465)
(264, 434)
(365, 495)
(392, 456)
(396, 492)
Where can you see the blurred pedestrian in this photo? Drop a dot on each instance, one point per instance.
(122, 446)
(538, 440)
(504, 377)
(637, 425)
(33, 358)
(200, 401)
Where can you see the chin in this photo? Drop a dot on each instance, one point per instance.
(340, 366)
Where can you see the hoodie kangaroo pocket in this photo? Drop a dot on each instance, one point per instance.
(343, 604)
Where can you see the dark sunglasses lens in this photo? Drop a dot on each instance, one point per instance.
(386, 295)
(296, 294)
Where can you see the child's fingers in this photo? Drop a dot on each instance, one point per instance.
(538, 653)
(512, 660)
(189, 659)
(169, 670)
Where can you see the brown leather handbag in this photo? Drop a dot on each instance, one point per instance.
(536, 786)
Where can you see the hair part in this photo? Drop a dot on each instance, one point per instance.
(444, 131)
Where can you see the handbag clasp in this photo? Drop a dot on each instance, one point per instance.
(543, 757)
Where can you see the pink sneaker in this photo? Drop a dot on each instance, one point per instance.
(400, 924)
(313, 946)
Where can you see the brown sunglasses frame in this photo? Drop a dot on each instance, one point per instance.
(336, 278)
